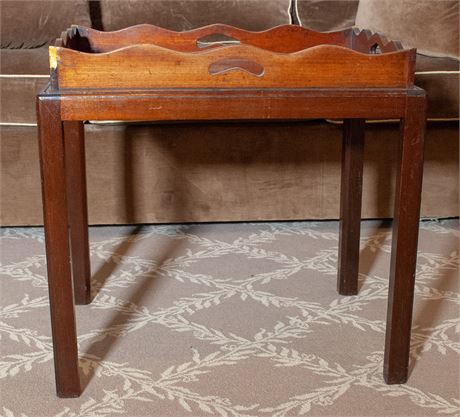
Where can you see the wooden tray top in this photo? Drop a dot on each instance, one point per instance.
(289, 56)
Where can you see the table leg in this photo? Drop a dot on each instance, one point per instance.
(77, 207)
(350, 206)
(404, 243)
(51, 145)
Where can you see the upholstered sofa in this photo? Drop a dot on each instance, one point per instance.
(146, 173)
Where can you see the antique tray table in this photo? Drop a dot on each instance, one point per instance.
(151, 74)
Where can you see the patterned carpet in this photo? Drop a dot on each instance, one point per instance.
(231, 320)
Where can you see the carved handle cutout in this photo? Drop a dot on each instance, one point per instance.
(375, 49)
(230, 64)
(216, 39)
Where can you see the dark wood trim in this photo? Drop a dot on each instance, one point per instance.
(242, 104)
(350, 206)
(78, 212)
(51, 146)
(404, 244)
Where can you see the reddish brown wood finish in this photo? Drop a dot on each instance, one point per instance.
(229, 84)
(365, 41)
(231, 104)
(78, 212)
(350, 206)
(51, 146)
(150, 66)
(404, 244)
(407, 104)
(285, 38)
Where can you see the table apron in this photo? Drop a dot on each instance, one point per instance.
(162, 108)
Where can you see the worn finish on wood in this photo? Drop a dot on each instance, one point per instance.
(287, 56)
(350, 206)
(154, 76)
(284, 38)
(77, 207)
(151, 66)
(235, 104)
(51, 147)
(404, 243)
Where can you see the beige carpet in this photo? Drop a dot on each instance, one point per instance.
(231, 320)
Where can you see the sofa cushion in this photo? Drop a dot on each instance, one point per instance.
(431, 26)
(24, 61)
(24, 72)
(188, 14)
(327, 15)
(30, 24)
(17, 98)
(440, 78)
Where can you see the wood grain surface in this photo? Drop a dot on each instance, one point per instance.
(238, 104)
(151, 66)
(147, 73)
(284, 38)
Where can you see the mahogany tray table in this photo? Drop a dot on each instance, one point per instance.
(146, 73)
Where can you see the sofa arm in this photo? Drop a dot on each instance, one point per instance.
(431, 26)
(326, 15)
(31, 24)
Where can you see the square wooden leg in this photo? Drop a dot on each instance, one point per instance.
(350, 206)
(51, 145)
(404, 244)
(77, 207)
